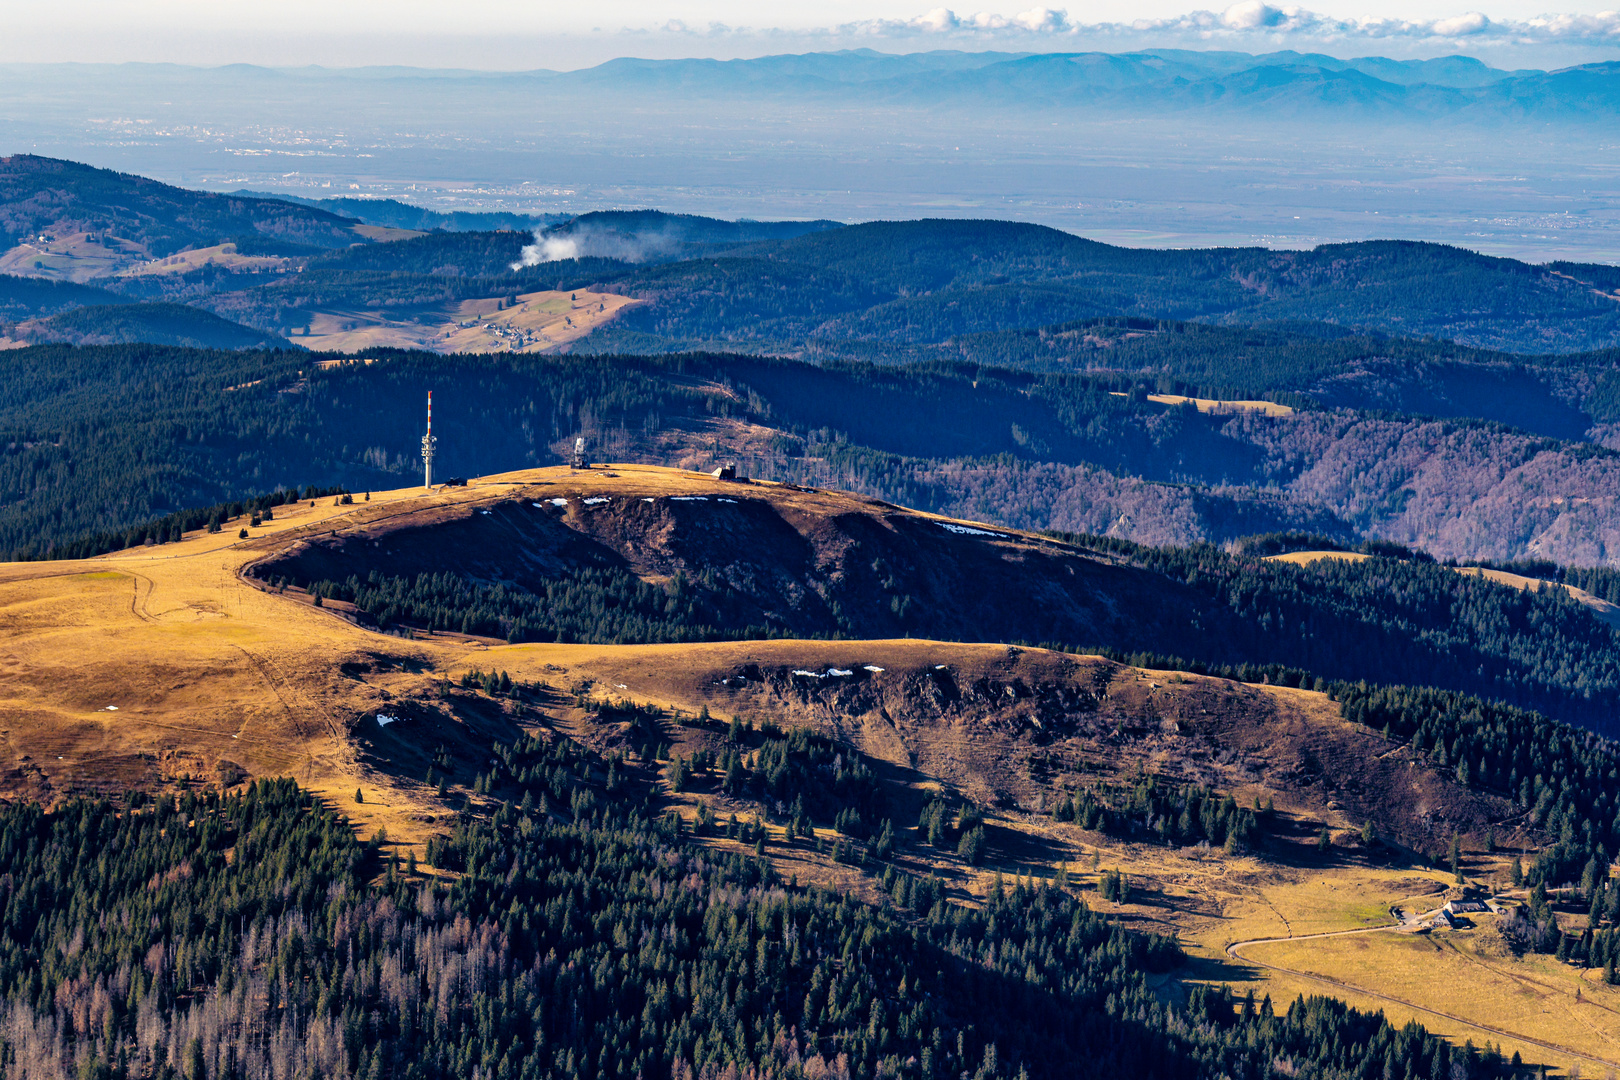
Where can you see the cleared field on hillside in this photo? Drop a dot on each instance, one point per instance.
(77, 257)
(1460, 980)
(223, 256)
(1218, 407)
(538, 322)
(386, 234)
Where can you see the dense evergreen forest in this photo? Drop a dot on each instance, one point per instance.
(23, 298)
(1407, 620)
(582, 935)
(122, 447)
(1564, 778)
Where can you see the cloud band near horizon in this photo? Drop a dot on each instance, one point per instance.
(1246, 20)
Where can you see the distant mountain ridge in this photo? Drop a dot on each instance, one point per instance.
(1286, 82)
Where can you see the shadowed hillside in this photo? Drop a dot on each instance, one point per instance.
(751, 560)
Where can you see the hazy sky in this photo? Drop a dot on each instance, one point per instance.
(508, 34)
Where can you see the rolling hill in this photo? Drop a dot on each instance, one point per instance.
(44, 195)
(933, 280)
(394, 214)
(916, 780)
(1058, 675)
(878, 290)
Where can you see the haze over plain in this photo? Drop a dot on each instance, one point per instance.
(1161, 148)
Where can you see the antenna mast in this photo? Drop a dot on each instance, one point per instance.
(428, 443)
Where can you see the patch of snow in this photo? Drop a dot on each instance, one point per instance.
(559, 502)
(595, 500)
(733, 502)
(939, 667)
(688, 498)
(649, 499)
(538, 506)
(968, 530)
(810, 674)
(383, 719)
(621, 686)
(112, 708)
(839, 673)
(874, 669)
(483, 511)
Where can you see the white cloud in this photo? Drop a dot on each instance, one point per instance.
(938, 20)
(1042, 20)
(1462, 25)
(1251, 15)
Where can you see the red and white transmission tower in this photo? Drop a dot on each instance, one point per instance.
(428, 443)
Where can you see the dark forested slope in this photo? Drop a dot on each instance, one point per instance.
(580, 931)
(103, 438)
(939, 278)
(155, 323)
(28, 298)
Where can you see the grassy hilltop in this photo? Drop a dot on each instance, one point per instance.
(900, 772)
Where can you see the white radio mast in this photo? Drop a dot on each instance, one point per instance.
(428, 443)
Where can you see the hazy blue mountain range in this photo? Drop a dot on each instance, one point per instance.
(1152, 80)
(1155, 78)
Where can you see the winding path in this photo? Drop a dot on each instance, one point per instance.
(1232, 950)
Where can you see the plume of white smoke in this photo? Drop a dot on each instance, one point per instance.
(585, 242)
(547, 249)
